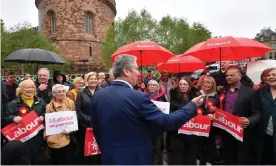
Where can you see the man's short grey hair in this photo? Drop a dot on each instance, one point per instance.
(123, 61)
(45, 69)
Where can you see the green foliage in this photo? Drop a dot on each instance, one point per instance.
(175, 34)
(24, 36)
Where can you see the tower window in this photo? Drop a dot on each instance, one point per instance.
(52, 17)
(88, 22)
(90, 51)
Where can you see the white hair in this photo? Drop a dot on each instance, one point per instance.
(59, 86)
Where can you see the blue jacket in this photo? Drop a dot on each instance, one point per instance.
(123, 120)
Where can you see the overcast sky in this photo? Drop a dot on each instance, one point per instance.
(239, 18)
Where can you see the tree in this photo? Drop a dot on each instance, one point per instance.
(173, 33)
(20, 36)
(135, 27)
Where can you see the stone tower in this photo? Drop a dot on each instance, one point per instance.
(77, 29)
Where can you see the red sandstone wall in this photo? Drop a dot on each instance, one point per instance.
(70, 37)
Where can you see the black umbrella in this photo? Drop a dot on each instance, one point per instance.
(34, 55)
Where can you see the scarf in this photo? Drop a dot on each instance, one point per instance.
(28, 100)
(75, 93)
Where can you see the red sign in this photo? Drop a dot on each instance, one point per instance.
(199, 125)
(25, 130)
(229, 123)
(90, 146)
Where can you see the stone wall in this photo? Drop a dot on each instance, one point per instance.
(70, 37)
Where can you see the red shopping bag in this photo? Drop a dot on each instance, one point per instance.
(90, 146)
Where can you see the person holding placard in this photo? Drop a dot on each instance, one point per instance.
(61, 148)
(182, 149)
(158, 140)
(18, 108)
(237, 101)
(83, 103)
(209, 151)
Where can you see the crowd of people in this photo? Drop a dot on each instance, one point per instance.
(93, 95)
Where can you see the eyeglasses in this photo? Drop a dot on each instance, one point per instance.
(60, 91)
(152, 84)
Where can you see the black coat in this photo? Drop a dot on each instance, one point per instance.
(260, 132)
(244, 107)
(46, 95)
(34, 144)
(83, 104)
(11, 90)
(177, 100)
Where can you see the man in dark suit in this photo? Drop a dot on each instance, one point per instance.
(237, 101)
(124, 119)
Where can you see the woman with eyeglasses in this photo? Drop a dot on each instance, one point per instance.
(182, 149)
(83, 103)
(61, 147)
(157, 140)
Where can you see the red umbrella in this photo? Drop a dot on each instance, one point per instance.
(227, 49)
(147, 53)
(182, 64)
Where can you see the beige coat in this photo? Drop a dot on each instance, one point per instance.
(59, 140)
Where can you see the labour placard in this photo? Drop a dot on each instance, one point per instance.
(57, 122)
(199, 125)
(229, 123)
(25, 130)
(90, 146)
(163, 106)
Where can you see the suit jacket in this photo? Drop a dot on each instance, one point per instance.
(123, 120)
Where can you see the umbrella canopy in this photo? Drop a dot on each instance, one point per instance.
(227, 49)
(147, 53)
(183, 64)
(255, 69)
(34, 55)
